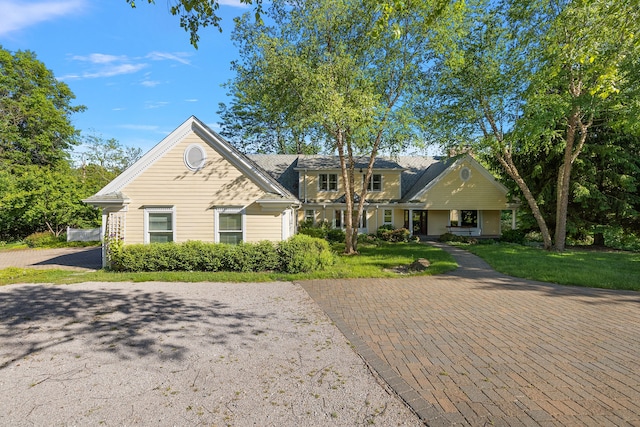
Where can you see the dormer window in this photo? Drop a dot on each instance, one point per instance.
(375, 183)
(328, 182)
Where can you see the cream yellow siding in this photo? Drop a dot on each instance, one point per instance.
(478, 192)
(491, 223)
(262, 225)
(309, 186)
(193, 194)
(437, 222)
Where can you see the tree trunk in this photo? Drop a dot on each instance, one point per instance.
(347, 178)
(571, 152)
(507, 163)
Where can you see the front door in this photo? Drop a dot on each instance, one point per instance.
(419, 223)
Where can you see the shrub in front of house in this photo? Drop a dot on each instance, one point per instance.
(454, 238)
(298, 254)
(302, 253)
(389, 234)
(514, 236)
(336, 235)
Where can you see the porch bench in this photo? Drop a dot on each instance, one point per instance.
(463, 231)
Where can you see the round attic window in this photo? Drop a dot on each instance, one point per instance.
(195, 157)
(465, 173)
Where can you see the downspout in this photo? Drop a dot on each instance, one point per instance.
(305, 186)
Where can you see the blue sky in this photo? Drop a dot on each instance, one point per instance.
(133, 69)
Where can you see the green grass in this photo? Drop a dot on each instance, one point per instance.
(373, 261)
(14, 246)
(589, 268)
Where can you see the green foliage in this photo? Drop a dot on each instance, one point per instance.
(44, 239)
(35, 124)
(618, 238)
(513, 236)
(296, 255)
(303, 254)
(197, 14)
(336, 235)
(389, 234)
(317, 232)
(38, 198)
(454, 238)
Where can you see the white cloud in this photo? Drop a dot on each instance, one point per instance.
(109, 70)
(191, 100)
(100, 58)
(178, 57)
(105, 65)
(16, 15)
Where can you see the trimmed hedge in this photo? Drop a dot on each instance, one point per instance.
(298, 254)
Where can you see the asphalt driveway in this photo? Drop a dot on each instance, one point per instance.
(84, 259)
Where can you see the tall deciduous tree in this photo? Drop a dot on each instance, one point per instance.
(585, 48)
(345, 70)
(532, 77)
(35, 112)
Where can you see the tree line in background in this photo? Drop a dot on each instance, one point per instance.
(42, 180)
(545, 93)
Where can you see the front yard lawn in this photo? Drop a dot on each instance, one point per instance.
(373, 261)
(589, 268)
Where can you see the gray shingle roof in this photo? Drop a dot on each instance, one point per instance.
(318, 162)
(420, 171)
(417, 171)
(281, 167)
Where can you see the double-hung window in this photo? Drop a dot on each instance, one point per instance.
(375, 183)
(229, 225)
(159, 225)
(310, 215)
(387, 216)
(328, 182)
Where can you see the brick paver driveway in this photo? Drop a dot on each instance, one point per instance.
(479, 348)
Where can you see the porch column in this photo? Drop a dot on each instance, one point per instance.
(103, 232)
(411, 221)
(513, 219)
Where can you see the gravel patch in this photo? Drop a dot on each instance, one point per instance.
(181, 354)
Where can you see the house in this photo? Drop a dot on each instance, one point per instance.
(194, 185)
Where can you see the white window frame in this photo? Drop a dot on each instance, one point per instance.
(324, 180)
(371, 181)
(203, 160)
(363, 219)
(383, 217)
(229, 210)
(159, 209)
(313, 215)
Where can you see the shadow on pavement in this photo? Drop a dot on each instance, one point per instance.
(128, 323)
(90, 258)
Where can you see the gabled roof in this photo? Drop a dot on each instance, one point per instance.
(247, 166)
(419, 171)
(437, 171)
